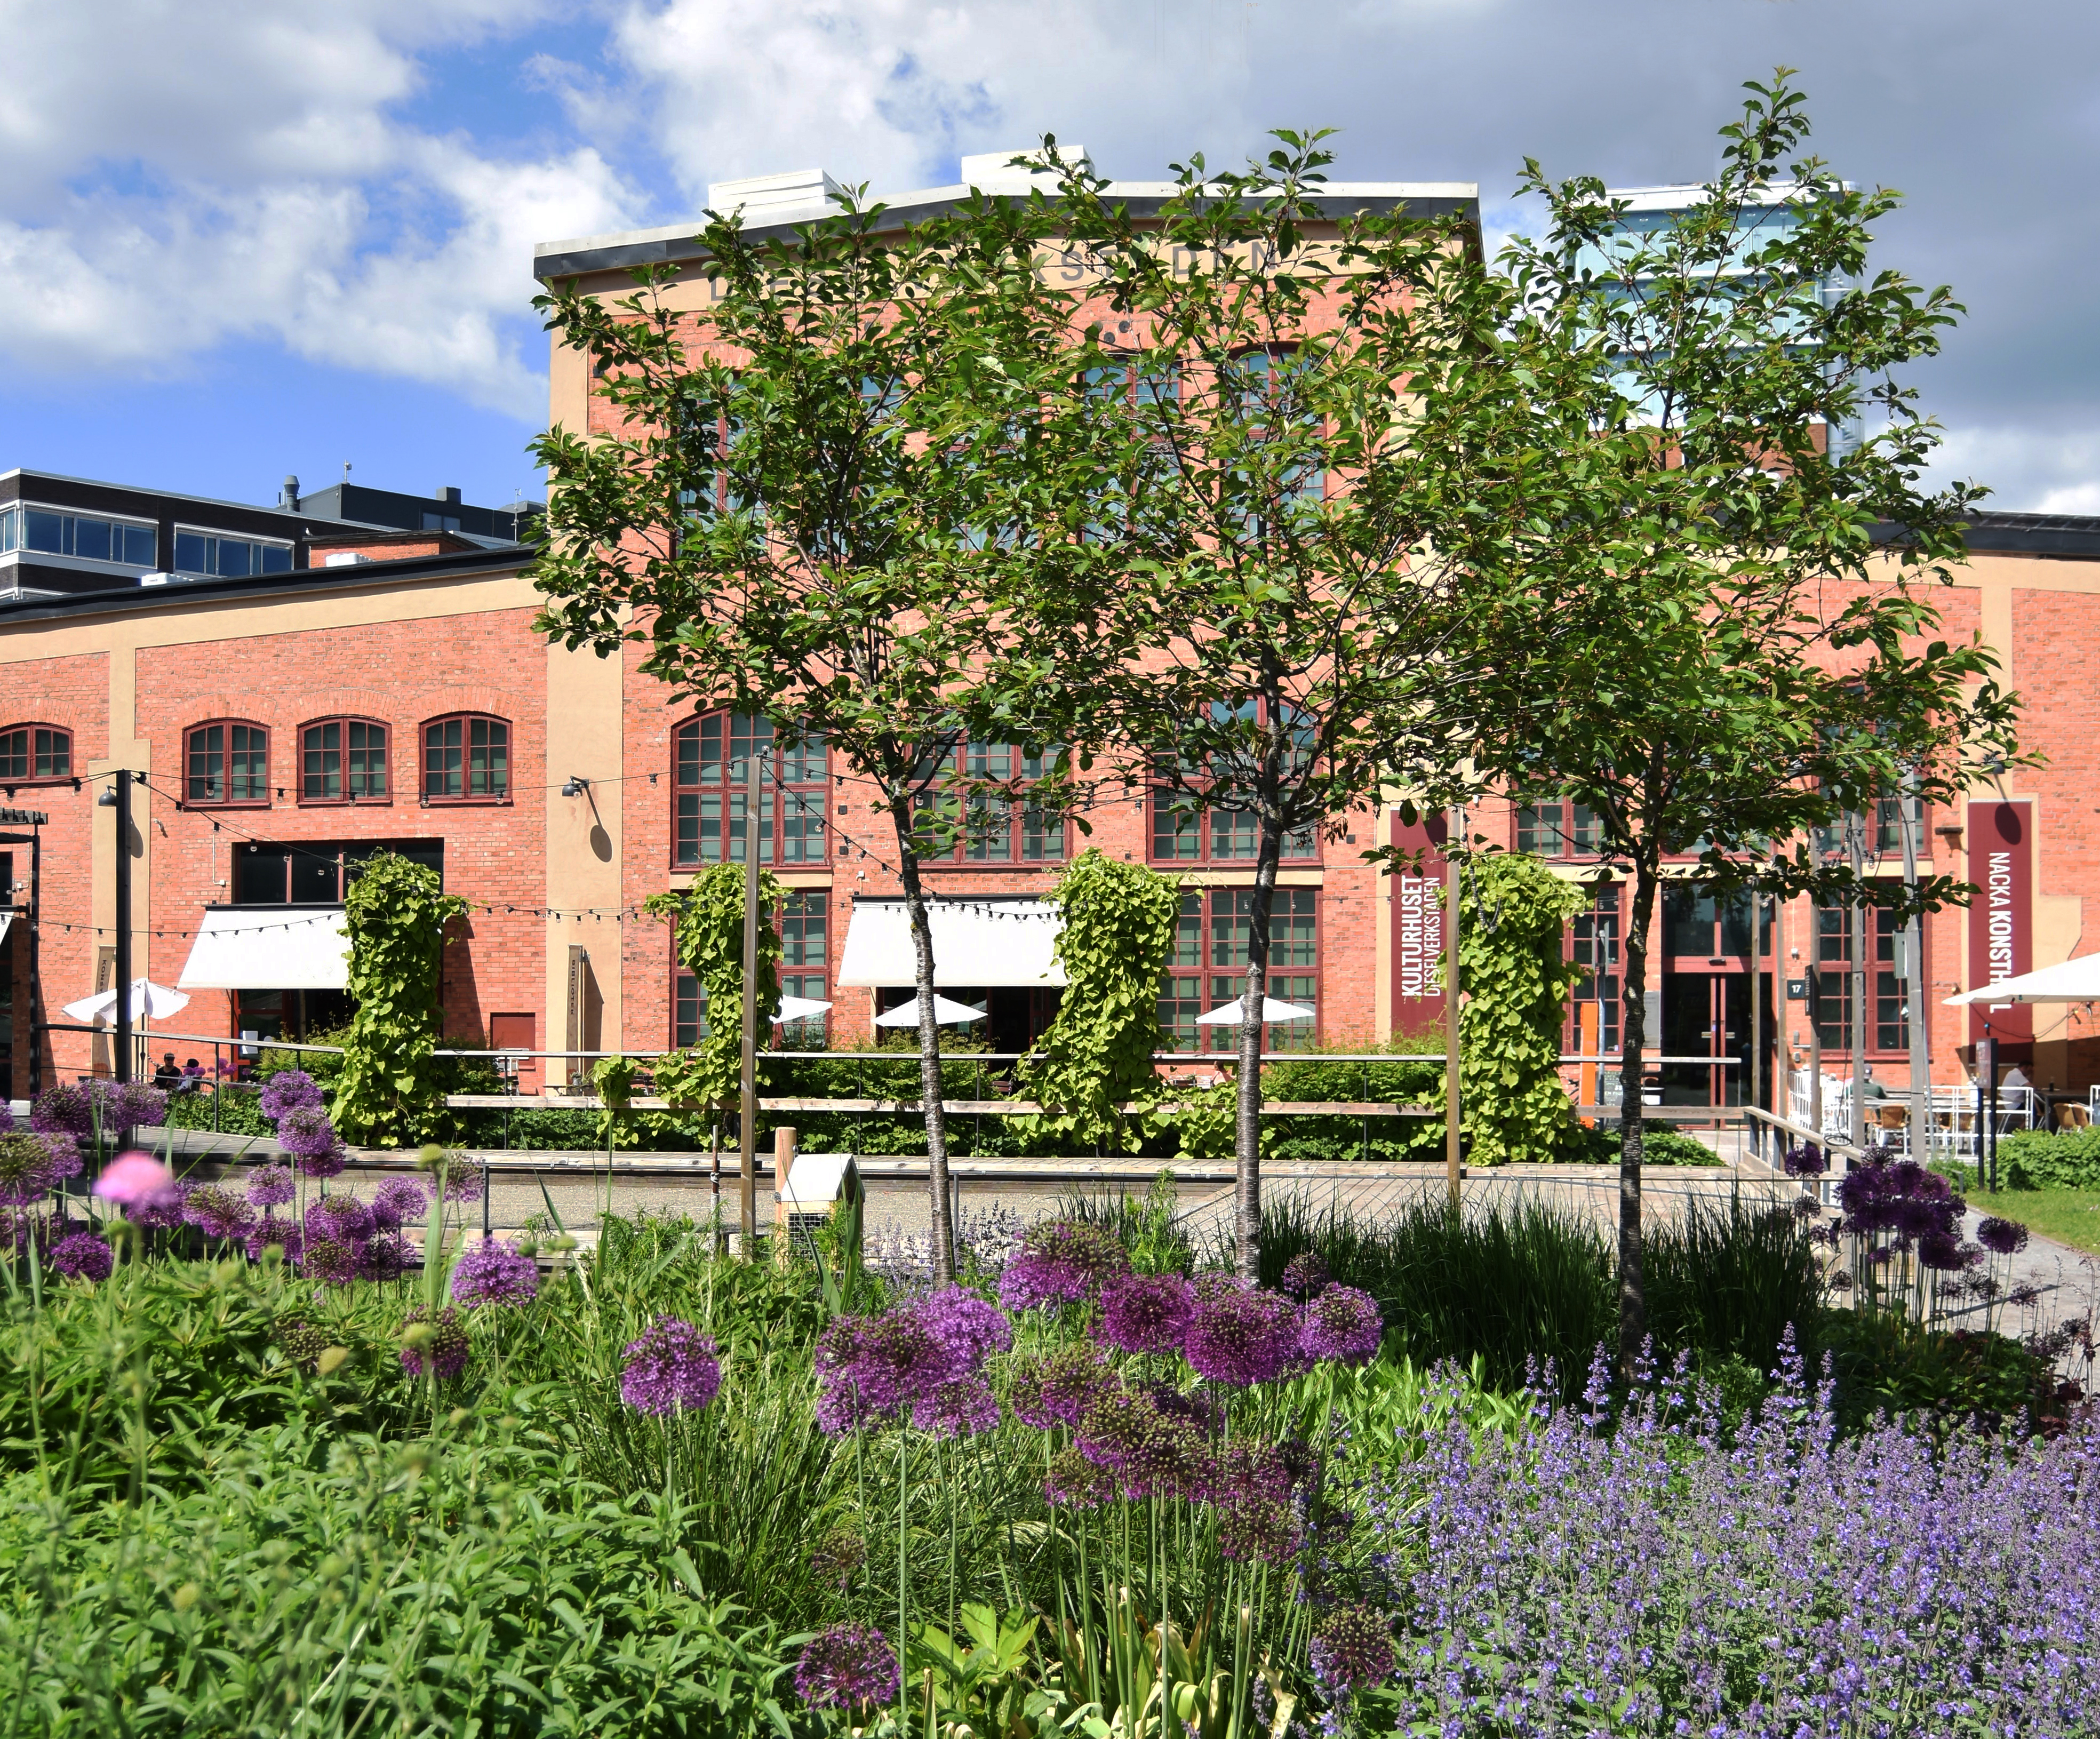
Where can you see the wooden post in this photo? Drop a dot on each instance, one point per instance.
(748, 1112)
(783, 1163)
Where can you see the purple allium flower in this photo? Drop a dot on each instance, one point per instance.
(838, 1555)
(1304, 1274)
(286, 1234)
(463, 1177)
(342, 1217)
(1342, 1323)
(135, 1180)
(1241, 1335)
(446, 1349)
(64, 1109)
(1058, 1390)
(1351, 1648)
(383, 1257)
(1078, 1483)
(1805, 1159)
(494, 1273)
(870, 1368)
(83, 1256)
(967, 1328)
(2002, 1237)
(1252, 1488)
(1945, 1253)
(305, 1133)
(1145, 1312)
(271, 1185)
(960, 1409)
(848, 1664)
(1061, 1262)
(289, 1090)
(128, 1104)
(331, 1260)
(66, 1161)
(398, 1200)
(672, 1369)
(6, 1119)
(26, 1169)
(217, 1212)
(163, 1212)
(1156, 1450)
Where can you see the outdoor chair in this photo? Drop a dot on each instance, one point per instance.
(2073, 1117)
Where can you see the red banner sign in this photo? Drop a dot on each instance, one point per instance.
(2001, 916)
(1417, 928)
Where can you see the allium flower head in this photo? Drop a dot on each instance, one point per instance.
(1351, 1648)
(1145, 1312)
(2002, 1237)
(673, 1368)
(1342, 1323)
(463, 1177)
(6, 1119)
(383, 1257)
(444, 1354)
(1241, 1335)
(838, 1555)
(1061, 1262)
(136, 1180)
(289, 1090)
(333, 1261)
(64, 1109)
(494, 1273)
(1077, 1483)
(271, 1185)
(1945, 1253)
(870, 1368)
(65, 1157)
(1805, 1159)
(27, 1168)
(83, 1256)
(217, 1212)
(398, 1201)
(305, 1133)
(1156, 1450)
(966, 1328)
(1253, 1488)
(960, 1409)
(285, 1234)
(339, 1216)
(1305, 1273)
(1058, 1390)
(847, 1665)
(128, 1104)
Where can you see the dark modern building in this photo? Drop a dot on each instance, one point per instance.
(442, 510)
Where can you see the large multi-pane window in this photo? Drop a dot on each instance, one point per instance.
(710, 784)
(50, 530)
(992, 829)
(1208, 967)
(226, 762)
(317, 872)
(200, 552)
(342, 761)
(804, 915)
(1182, 831)
(34, 752)
(1593, 946)
(1888, 1008)
(1557, 830)
(466, 760)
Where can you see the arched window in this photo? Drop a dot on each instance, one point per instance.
(710, 787)
(466, 759)
(225, 761)
(30, 752)
(343, 761)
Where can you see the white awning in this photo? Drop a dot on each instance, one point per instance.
(2072, 981)
(977, 945)
(269, 948)
(1228, 1014)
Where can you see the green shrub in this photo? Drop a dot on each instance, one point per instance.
(1662, 1143)
(2034, 1159)
(1886, 1363)
(235, 1108)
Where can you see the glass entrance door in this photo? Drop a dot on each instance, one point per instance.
(1706, 1014)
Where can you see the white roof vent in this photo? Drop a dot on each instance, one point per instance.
(993, 170)
(344, 559)
(764, 199)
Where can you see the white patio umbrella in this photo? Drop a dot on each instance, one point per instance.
(1228, 1014)
(799, 1009)
(946, 1013)
(155, 1002)
(2073, 980)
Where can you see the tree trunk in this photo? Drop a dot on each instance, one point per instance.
(929, 1063)
(1633, 1296)
(1246, 1136)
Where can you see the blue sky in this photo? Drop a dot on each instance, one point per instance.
(245, 239)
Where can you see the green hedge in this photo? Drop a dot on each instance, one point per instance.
(2034, 1159)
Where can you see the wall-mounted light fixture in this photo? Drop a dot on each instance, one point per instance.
(107, 799)
(575, 787)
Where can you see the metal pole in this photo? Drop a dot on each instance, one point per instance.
(747, 1113)
(37, 1040)
(1921, 1058)
(123, 924)
(1757, 1012)
(1856, 838)
(1990, 1130)
(1454, 1155)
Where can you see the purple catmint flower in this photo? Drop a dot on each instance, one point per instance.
(1145, 1312)
(1351, 1649)
(1061, 1262)
(2002, 1237)
(218, 1212)
(305, 1133)
(495, 1273)
(674, 1368)
(339, 1216)
(271, 1185)
(1342, 1323)
(960, 1409)
(289, 1090)
(286, 1234)
(1305, 1274)
(464, 1175)
(28, 1168)
(397, 1200)
(1241, 1335)
(967, 1329)
(1058, 1389)
(83, 1256)
(846, 1666)
(443, 1353)
(333, 1261)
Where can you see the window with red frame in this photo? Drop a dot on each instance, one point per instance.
(995, 830)
(710, 786)
(1592, 939)
(29, 753)
(1208, 967)
(226, 762)
(342, 761)
(1182, 831)
(466, 759)
(805, 919)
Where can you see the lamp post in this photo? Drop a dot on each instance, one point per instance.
(123, 923)
(747, 1114)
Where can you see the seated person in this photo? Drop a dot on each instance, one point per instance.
(1873, 1088)
(192, 1077)
(167, 1074)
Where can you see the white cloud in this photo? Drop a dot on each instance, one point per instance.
(2033, 469)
